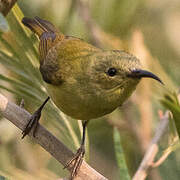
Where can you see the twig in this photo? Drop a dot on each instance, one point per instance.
(150, 154)
(99, 37)
(6, 5)
(160, 160)
(19, 117)
(83, 9)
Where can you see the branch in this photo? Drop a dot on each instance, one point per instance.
(83, 10)
(161, 159)
(150, 154)
(6, 5)
(19, 117)
(99, 37)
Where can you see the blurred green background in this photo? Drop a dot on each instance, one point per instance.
(148, 29)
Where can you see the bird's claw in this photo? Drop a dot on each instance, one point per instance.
(33, 122)
(75, 162)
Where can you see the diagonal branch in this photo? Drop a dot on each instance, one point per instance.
(98, 36)
(19, 117)
(150, 154)
(84, 12)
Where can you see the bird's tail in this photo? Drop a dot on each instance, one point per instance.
(38, 26)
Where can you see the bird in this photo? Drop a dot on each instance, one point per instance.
(84, 81)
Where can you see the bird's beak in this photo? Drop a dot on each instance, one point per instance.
(138, 73)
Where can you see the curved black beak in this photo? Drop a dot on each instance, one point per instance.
(138, 73)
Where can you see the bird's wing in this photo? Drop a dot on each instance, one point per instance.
(46, 42)
(72, 48)
(46, 31)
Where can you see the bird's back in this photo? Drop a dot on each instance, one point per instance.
(58, 52)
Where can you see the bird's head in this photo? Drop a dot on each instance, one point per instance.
(115, 74)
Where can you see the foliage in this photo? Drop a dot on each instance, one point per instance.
(120, 157)
(171, 102)
(146, 29)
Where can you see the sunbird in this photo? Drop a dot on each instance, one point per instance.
(84, 82)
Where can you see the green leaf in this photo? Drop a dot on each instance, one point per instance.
(171, 102)
(173, 147)
(123, 170)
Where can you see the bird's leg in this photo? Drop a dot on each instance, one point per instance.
(33, 121)
(77, 159)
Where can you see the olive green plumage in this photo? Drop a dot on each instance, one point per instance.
(76, 73)
(83, 81)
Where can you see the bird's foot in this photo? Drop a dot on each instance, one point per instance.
(34, 120)
(33, 123)
(76, 161)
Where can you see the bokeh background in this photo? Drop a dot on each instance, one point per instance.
(148, 29)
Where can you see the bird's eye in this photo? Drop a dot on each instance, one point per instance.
(112, 71)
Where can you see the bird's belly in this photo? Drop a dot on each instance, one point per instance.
(75, 105)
